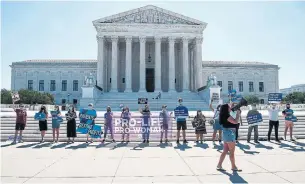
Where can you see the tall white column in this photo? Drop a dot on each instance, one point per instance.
(198, 62)
(100, 61)
(128, 78)
(158, 64)
(171, 68)
(185, 65)
(142, 64)
(114, 64)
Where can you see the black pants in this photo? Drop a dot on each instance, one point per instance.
(236, 132)
(276, 127)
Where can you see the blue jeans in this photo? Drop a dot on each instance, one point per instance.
(145, 132)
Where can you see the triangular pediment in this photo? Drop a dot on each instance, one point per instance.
(149, 15)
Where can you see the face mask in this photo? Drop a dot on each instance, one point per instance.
(288, 107)
(90, 107)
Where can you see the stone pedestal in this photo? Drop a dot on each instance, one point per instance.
(87, 96)
(215, 95)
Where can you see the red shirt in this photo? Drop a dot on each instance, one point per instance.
(20, 116)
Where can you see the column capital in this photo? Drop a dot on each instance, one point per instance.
(128, 39)
(158, 38)
(114, 38)
(142, 39)
(185, 39)
(199, 40)
(172, 39)
(100, 38)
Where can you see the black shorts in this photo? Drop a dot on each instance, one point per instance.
(43, 125)
(19, 126)
(181, 125)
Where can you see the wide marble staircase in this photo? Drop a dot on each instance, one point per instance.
(190, 99)
(31, 133)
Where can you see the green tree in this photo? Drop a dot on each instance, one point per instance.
(295, 98)
(6, 97)
(252, 99)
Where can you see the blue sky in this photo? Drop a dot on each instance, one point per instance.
(271, 32)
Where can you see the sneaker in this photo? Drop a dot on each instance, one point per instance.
(201, 142)
(292, 139)
(177, 142)
(219, 141)
(20, 141)
(103, 141)
(236, 170)
(166, 140)
(185, 141)
(144, 141)
(248, 141)
(257, 142)
(87, 141)
(147, 141)
(278, 141)
(113, 141)
(14, 142)
(91, 141)
(127, 141)
(161, 141)
(237, 141)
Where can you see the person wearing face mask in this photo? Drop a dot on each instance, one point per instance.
(199, 125)
(274, 121)
(108, 124)
(253, 111)
(181, 122)
(216, 125)
(164, 118)
(20, 122)
(71, 124)
(55, 123)
(43, 124)
(146, 120)
(288, 114)
(90, 107)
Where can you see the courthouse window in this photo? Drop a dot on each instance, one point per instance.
(75, 85)
(64, 85)
(261, 86)
(230, 85)
(240, 86)
(251, 87)
(52, 85)
(30, 84)
(41, 85)
(219, 83)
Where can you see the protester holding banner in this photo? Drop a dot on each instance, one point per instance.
(108, 125)
(21, 116)
(251, 112)
(71, 124)
(43, 124)
(216, 125)
(146, 120)
(288, 114)
(56, 120)
(229, 128)
(274, 121)
(181, 113)
(199, 125)
(164, 118)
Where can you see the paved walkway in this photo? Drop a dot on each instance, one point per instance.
(134, 163)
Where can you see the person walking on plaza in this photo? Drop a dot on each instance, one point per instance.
(71, 124)
(21, 116)
(181, 122)
(233, 114)
(274, 121)
(55, 123)
(288, 114)
(199, 125)
(43, 124)
(253, 111)
(108, 125)
(146, 120)
(229, 130)
(216, 125)
(164, 118)
(90, 107)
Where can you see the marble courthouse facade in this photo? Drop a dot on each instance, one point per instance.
(148, 49)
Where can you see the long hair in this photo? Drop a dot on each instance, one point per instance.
(224, 113)
(198, 113)
(43, 109)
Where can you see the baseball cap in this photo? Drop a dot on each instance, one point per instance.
(164, 106)
(90, 104)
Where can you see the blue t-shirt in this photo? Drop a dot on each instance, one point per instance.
(181, 113)
(146, 117)
(289, 114)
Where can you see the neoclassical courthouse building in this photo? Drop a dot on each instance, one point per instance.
(145, 50)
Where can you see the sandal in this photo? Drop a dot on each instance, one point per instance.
(220, 169)
(236, 170)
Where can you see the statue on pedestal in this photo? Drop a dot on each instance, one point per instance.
(89, 80)
(212, 80)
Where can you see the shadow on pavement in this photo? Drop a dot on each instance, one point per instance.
(245, 148)
(38, 146)
(182, 147)
(218, 148)
(202, 145)
(292, 148)
(6, 145)
(120, 145)
(234, 177)
(27, 145)
(62, 145)
(260, 145)
(299, 143)
(84, 145)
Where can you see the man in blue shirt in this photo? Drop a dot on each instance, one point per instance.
(288, 114)
(181, 113)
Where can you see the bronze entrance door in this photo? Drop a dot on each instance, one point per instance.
(150, 79)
